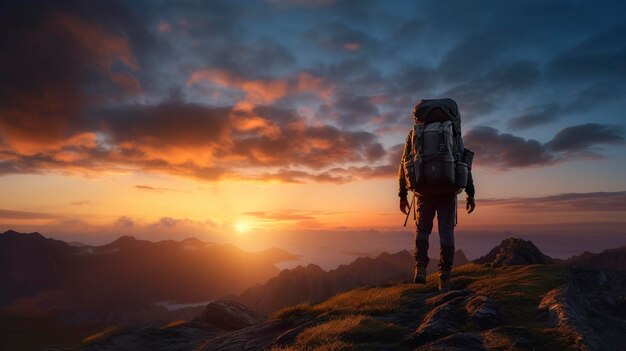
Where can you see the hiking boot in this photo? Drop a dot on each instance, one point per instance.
(444, 281)
(420, 275)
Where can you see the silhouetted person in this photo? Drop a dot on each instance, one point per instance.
(436, 166)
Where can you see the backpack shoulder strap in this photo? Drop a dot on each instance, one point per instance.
(418, 138)
(457, 142)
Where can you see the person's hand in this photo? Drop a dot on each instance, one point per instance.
(470, 205)
(404, 205)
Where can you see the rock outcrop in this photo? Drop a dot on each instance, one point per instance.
(443, 320)
(483, 311)
(443, 327)
(452, 310)
(258, 337)
(229, 315)
(590, 308)
(512, 252)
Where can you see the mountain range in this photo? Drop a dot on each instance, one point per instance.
(520, 300)
(126, 281)
(609, 259)
(138, 282)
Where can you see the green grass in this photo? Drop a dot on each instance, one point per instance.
(367, 311)
(293, 312)
(518, 290)
(372, 317)
(352, 332)
(368, 300)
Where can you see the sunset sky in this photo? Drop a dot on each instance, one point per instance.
(226, 120)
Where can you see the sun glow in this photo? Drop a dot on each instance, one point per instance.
(242, 227)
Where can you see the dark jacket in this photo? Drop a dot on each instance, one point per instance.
(408, 149)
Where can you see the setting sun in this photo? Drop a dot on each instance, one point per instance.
(242, 227)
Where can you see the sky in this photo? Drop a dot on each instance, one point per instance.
(236, 120)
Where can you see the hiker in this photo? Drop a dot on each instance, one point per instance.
(435, 166)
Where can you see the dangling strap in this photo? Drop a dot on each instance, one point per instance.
(414, 209)
(456, 209)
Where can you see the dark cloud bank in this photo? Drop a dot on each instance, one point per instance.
(505, 151)
(195, 89)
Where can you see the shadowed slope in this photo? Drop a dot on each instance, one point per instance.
(123, 281)
(311, 284)
(609, 259)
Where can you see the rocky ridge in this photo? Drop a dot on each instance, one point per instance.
(589, 308)
(504, 304)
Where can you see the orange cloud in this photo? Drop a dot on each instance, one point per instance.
(209, 143)
(308, 83)
(106, 49)
(256, 90)
(263, 91)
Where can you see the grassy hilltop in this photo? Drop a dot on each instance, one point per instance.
(386, 316)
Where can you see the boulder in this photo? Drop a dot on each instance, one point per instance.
(230, 315)
(445, 319)
(450, 314)
(483, 311)
(447, 296)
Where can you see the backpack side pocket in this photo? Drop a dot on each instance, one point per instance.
(412, 165)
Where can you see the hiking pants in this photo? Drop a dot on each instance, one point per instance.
(426, 207)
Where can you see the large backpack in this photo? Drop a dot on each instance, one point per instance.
(434, 164)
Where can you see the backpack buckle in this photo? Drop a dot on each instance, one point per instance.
(442, 148)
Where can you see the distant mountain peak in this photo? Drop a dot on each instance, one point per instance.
(514, 251)
(193, 241)
(314, 267)
(13, 233)
(459, 257)
(609, 259)
(124, 242)
(125, 239)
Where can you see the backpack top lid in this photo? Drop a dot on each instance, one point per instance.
(437, 110)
